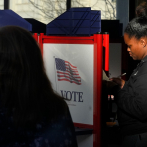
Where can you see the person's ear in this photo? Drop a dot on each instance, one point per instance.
(143, 42)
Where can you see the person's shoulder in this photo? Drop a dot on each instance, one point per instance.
(143, 67)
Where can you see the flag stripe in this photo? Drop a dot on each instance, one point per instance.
(66, 73)
(66, 62)
(71, 70)
(69, 81)
(60, 76)
(77, 78)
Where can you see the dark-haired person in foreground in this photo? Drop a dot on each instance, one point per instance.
(131, 97)
(31, 114)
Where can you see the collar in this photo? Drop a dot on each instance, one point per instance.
(144, 59)
(139, 65)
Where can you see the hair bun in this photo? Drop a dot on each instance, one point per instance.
(141, 10)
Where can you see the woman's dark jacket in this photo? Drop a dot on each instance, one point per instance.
(132, 102)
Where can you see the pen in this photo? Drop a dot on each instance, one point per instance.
(121, 75)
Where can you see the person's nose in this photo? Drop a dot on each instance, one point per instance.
(128, 49)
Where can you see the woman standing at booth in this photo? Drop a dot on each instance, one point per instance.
(31, 113)
(131, 98)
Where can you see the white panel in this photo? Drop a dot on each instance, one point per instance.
(81, 56)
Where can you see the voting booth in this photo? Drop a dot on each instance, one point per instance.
(74, 66)
(75, 54)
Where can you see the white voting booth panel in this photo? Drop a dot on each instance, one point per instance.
(74, 67)
(80, 96)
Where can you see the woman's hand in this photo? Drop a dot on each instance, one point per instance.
(118, 81)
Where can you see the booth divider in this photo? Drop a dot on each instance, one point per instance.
(97, 42)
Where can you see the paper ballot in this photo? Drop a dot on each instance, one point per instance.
(105, 76)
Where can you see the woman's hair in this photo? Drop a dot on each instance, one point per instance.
(26, 92)
(141, 9)
(137, 27)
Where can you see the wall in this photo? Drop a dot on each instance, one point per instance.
(122, 9)
(1, 5)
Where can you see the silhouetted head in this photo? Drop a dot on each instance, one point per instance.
(27, 93)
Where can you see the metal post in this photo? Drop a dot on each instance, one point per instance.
(6, 4)
(68, 4)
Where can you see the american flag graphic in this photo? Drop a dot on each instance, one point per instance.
(67, 72)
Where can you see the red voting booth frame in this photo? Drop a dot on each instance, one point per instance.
(100, 41)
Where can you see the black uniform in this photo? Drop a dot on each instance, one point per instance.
(132, 102)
